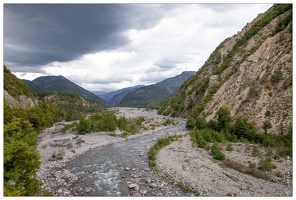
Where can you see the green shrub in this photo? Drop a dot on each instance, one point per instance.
(201, 142)
(256, 152)
(200, 123)
(190, 123)
(266, 165)
(121, 123)
(229, 147)
(224, 118)
(184, 187)
(216, 153)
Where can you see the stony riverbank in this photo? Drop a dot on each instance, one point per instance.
(196, 167)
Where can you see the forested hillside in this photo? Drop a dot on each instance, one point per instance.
(152, 95)
(22, 125)
(61, 84)
(250, 73)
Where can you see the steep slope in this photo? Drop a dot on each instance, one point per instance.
(61, 84)
(250, 73)
(16, 92)
(155, 93)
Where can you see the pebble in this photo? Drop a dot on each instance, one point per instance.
(131, 186)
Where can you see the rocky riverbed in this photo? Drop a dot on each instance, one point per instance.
(98, 164)
(57, 149)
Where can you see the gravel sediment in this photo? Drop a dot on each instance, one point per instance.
(196, 167)
(180, 160)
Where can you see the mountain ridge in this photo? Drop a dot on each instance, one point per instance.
(250, 73)
(155, 93)
(61, 84)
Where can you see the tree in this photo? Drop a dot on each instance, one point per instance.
(224, 118)
(21, 161)
(201, 123)
(266, 125)
(190, 123)
(84, 126)
(121, 122)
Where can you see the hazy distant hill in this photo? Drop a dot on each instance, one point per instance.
(61, 84)
(155, 93)
(116, 99)
(108, 96)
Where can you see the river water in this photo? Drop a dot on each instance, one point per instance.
(109, 170)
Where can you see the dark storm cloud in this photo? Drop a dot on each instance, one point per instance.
(37, 34)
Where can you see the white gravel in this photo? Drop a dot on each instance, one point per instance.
(196, 167)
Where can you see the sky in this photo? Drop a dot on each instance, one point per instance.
(106, 47)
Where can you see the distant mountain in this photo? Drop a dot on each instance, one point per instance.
(99, 93)
(155, 93)
(116, 99)
(61, 84)
(108, 96)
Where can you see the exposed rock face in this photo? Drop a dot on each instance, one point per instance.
(23, 100)
(254, 83)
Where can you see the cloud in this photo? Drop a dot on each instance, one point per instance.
(37, 34)
(111, 46)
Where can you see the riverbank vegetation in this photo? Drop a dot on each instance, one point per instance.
(225, 130)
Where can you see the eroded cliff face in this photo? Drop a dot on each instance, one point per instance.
(254, 83)
(22, 100)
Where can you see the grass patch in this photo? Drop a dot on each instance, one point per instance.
(44, 146)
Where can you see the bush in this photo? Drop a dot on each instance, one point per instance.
(200, 123)
(224, 118)
(216, 153)
(190, 123)
(184, 187)
(266, 165)
(21, 161)
(201, 142)
(229, 147)
(256, 152)
(121, 123)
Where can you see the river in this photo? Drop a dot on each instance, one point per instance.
(111, 169)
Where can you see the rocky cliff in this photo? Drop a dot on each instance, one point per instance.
(250, 73)
(16, 93)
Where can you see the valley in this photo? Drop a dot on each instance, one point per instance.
(223, 130)
(105, 165)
